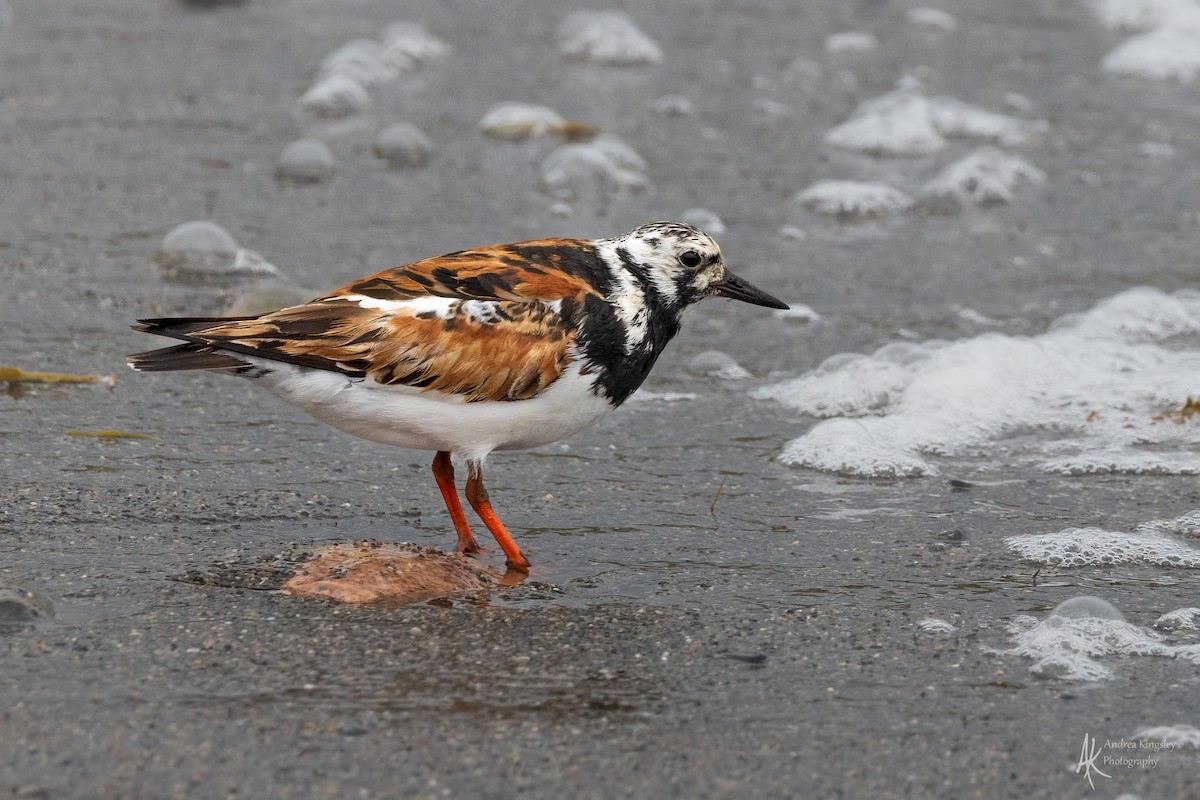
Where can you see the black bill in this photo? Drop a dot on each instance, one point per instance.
(735, 288)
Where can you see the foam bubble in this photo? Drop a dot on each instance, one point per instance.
(851, 42)
(899, 123)
(876, 452)
(1187, 525)
(984, 176)
(1157, 150)
(1122, 460)
(797, 312)
(1070, 643)
(718, 365)
(1095, 392)
(360, 60)
(845, 385)
(705, 220)
(1078, 547)
(403, 42)
(1085, 606)
(1171, 735)
(1141, 15)
(936, 626)
(1168, 44)
(1181, 619)
(305, 161)
(202, 251)
(955, 118)
(200, 236)
(931, 19)
(1162, 54)
(674, 105)
(769, 110)
(335, 96)
(904, 122)
(516, 121)
(402, 144)
(854, 199)
(605, 166)
(346, 76)
(976, 318)
(647, 396)
(606, 37)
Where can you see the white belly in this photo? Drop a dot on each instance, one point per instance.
(406, 417)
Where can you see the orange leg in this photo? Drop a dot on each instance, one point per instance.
(443, 472)
(477, 496)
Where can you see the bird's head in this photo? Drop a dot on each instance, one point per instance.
(678, 264)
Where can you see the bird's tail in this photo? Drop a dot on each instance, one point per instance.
(183, 356)
(191, 354)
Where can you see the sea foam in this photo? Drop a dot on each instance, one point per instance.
(1100, 392)
(1073, 642)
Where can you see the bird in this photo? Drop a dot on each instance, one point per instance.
(500, 347)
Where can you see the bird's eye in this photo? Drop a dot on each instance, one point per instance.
(690, 259)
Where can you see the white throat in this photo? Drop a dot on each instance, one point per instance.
(627, 297)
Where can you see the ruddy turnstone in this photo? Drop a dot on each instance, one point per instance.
(501, 347)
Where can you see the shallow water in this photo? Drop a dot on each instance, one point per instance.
(703, 618)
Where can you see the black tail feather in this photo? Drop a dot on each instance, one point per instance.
(180, 327)
(193, 355)
(184, 356)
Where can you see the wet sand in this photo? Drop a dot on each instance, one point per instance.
(766, 645)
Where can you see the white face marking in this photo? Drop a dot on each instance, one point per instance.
(658, 253)
(627, 297)
(660, 270)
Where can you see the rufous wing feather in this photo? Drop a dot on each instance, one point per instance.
(543, 269)
(493, 323)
